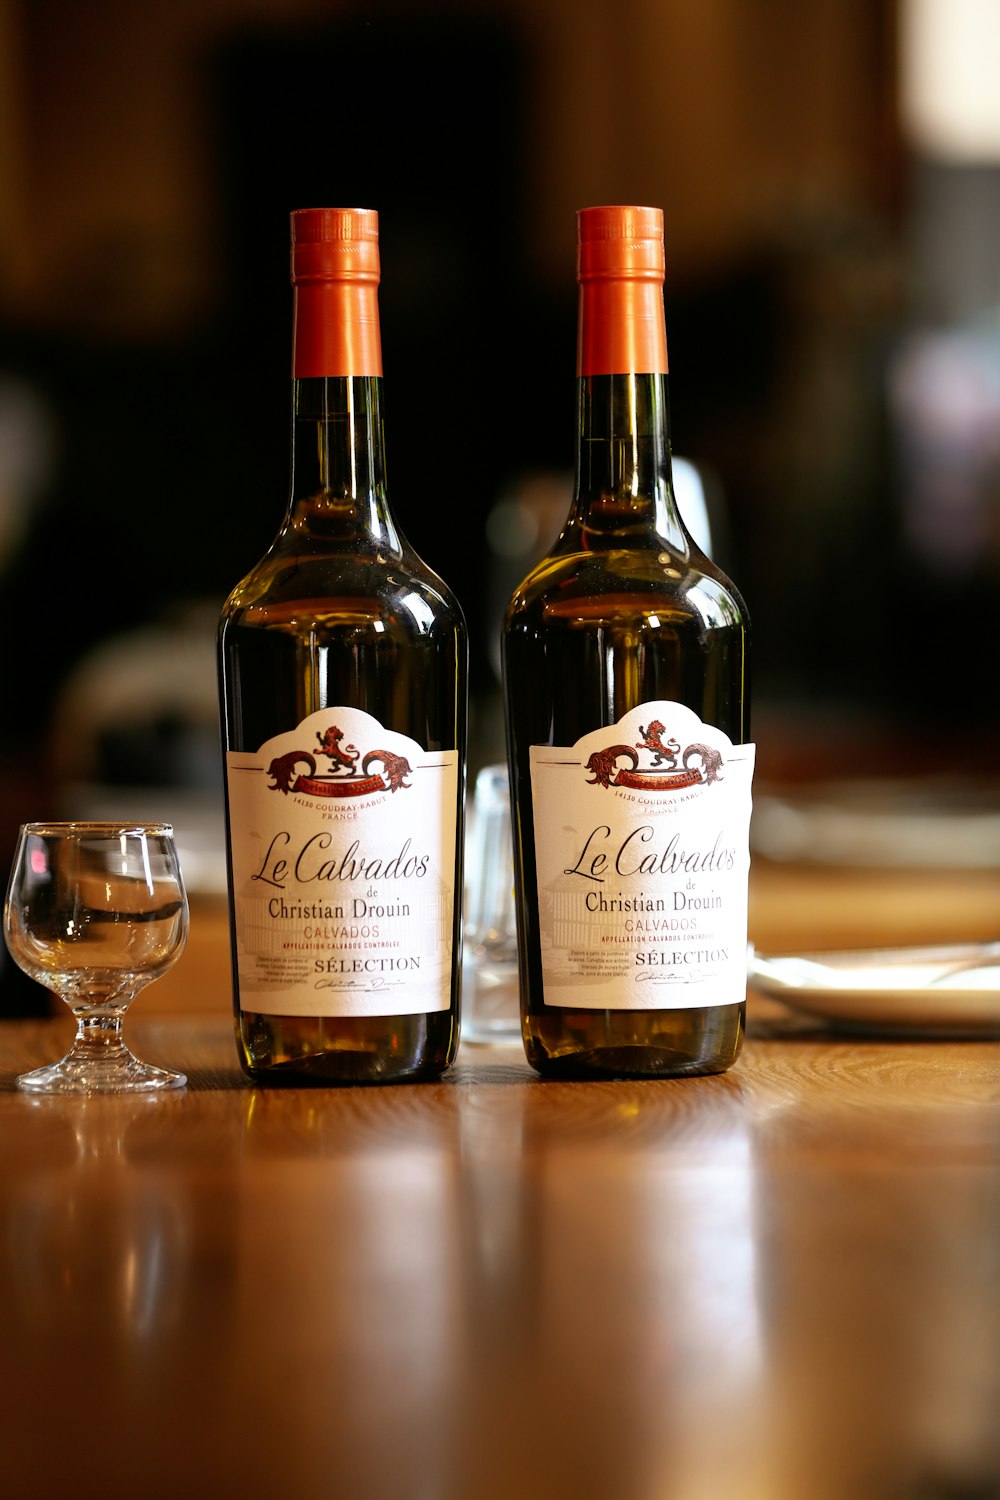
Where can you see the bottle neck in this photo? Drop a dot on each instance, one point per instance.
(624, 486)
(338, 479)
(338, 443)
(623, 471)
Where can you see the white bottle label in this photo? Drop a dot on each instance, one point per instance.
(343, 853)
(642, 845)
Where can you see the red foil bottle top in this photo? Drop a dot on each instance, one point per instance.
(335, 272)
(334, 244)
(620, 270)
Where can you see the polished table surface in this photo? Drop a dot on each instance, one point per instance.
(782, 1283)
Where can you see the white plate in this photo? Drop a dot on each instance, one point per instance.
(948, 991)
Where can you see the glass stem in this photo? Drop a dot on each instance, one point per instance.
(99, 1036)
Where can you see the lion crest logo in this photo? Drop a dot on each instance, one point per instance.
(654, 764)
(349, 773)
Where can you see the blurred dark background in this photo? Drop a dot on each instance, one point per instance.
(833, 253)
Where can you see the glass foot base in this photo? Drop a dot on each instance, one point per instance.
(99, 1076)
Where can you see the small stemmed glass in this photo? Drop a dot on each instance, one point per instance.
(95, 911)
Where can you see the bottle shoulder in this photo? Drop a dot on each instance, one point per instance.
(617, 582)
(299, 577)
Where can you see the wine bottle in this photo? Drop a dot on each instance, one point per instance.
(625, 666)
(343, 663)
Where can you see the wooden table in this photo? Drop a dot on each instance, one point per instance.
(777, 1284)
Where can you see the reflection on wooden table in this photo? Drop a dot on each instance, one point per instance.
(774, 1284)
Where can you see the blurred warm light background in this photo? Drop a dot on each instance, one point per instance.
(948, 55)
(830, 173)
(115, 156)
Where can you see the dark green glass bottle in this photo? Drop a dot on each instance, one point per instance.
(625, 661)
(343, 683)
